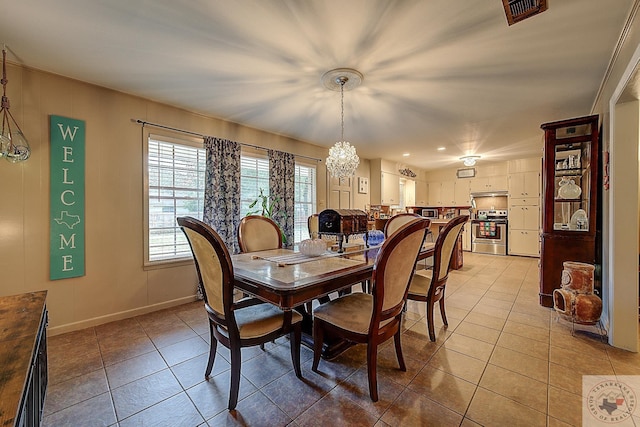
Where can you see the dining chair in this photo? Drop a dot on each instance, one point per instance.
(429, 285)
(397, 221)
(376, 317)
(245, 323)
(258, 233)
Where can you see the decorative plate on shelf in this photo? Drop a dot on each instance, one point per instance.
(569, 190)
(579, 215)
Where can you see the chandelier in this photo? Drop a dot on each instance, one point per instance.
(13, 145)
(469, 160)
(343, 160)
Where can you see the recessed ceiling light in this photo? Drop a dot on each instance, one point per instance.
(442, 148)
(406, 154)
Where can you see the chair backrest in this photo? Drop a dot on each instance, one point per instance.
(397, 221)
(258, 233)
(394, 268)
(445, 245)
(313, 223)
(213, 264)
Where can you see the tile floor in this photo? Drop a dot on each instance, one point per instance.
(503, 360)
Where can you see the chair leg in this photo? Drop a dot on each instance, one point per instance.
(432, 333)
(399, 356)
(212, 351)
(236, 361)
(442, 312)
(318, 337)
(372, 365)
(295, 337)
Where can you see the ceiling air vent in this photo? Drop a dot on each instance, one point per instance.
(517, 10)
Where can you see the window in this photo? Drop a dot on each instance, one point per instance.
(175, 173)
(305, 200)
(176, 181)
(254, 176)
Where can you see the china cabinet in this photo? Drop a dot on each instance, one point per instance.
(570, 180)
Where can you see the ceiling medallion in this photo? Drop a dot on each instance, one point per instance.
(343, 160)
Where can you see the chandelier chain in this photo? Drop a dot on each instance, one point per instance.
(342, 82)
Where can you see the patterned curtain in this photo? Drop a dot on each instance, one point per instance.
(282, 189)
(222, 189)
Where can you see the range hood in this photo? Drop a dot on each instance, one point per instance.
(478, 194)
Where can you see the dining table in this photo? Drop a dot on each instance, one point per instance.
(290, 279)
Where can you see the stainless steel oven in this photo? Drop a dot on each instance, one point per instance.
(489, 232)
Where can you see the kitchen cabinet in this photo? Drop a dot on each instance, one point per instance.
(524, 242)
(422, 193)
(466, 236)
(524, 213)
(489, 183)
(389, 189)
(525, 217)
(462, 191)
(448, 193)
(409, 192)
(525, 184)
(570, 185)
(435, 194)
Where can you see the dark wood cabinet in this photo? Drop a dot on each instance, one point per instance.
(23, 359)
(569, 184)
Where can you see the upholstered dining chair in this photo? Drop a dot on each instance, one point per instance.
(258, 233)
(397, 221)
(244, 323)
(376, 317)
(429, 285)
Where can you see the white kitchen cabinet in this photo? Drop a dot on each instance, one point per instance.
(489, 183)
(409, 192)
(447, 193)
(442, 193)
(461, 192)
(435, 194)
(524, 213)
(524, 217)
(525, 184)
(524, 242)
(466, 236)
(422, 193)
(389, 189)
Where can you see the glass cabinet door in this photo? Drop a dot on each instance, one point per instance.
(572, 179)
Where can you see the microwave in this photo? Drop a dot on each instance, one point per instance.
(431, 213)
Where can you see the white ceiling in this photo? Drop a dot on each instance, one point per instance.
(437, 73)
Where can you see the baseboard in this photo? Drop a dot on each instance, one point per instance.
(95, 321)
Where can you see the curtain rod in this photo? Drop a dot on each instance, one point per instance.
(188, 132)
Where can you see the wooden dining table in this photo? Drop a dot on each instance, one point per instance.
(288, 279)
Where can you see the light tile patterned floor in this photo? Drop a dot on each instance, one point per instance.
(503, 360)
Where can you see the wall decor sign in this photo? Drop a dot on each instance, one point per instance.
(66, 247)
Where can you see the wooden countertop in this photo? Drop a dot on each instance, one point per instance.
(20, 317)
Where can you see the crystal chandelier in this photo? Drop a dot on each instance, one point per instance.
(343, 160)
(13, 144)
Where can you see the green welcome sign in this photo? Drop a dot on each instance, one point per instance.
(67, 198)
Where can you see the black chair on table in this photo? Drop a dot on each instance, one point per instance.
(244, 323)
(374, 318)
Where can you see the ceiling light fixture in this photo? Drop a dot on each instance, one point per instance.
(13, 145)
(343, 160)
(469, 160)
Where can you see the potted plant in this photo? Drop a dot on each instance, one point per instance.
(267, 206)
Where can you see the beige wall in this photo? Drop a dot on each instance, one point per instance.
(115, 285)
(620, 281)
